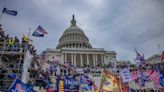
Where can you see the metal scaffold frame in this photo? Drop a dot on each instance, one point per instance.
(5, 60)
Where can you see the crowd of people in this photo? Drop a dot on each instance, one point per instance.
(14, 43)
(10, 70)
(40, 74)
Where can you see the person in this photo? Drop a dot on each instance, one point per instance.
(2, 75)
(16, 44)
(10, 43)
(25, 42)
(2, 34)
(64, 71)
(61, 71)
(40, 80)
(58, 70)
(32, 82)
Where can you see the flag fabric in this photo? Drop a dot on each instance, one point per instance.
(162, 57)
(48, 84)
(61, 86)
(143, 79)
(136, 74)
(132, 90)
(12, 75)
(10, 12)
(162, 79)
(39, 32)
(139, 57)
(19, 86)
(95, 88)
(110, 83)
(26, 65)
(87, 85)
(155, 77)
(26, 39)
(125, 75)
(71, 84)
(67, 84)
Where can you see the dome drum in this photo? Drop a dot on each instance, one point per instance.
(73, 37)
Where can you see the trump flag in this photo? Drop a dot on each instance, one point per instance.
(125, 75)
(19, 86)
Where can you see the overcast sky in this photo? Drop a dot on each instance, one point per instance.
(116, 25)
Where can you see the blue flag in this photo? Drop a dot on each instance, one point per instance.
(10, 12)
(19, 86)
(143, 78)
(41, 30)
(132, 90)
(37, 34)
(12, 75)
(162, 79)
(71, 84)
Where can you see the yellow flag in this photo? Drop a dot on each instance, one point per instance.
(61, 86)
(110, 83)
(25, 38)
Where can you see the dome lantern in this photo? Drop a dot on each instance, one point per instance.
(73, 21)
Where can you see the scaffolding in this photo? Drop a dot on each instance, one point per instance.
(10, 62)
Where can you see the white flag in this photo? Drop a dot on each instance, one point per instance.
(125, 75)
(26, 64)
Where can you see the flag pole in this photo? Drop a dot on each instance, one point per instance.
(29, 31)
(1, 15)
(120, 83)
(159, 48)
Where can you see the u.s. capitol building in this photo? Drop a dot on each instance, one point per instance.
(74, 48)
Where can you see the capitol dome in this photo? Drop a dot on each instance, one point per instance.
(73, 37)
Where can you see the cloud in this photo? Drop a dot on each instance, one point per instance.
(116, 25)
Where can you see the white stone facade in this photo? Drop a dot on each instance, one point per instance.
(74, 48)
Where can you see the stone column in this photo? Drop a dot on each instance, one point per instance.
(72, 59)
(94, 62)
(87, 60)
(75, 60)
(96, 59)
(81, 60)
(65, 58)
(102, 61)
(62, 58)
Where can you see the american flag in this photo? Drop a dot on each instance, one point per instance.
(40, 29)
(155, 77)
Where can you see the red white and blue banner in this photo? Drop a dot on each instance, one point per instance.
(39, 32)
